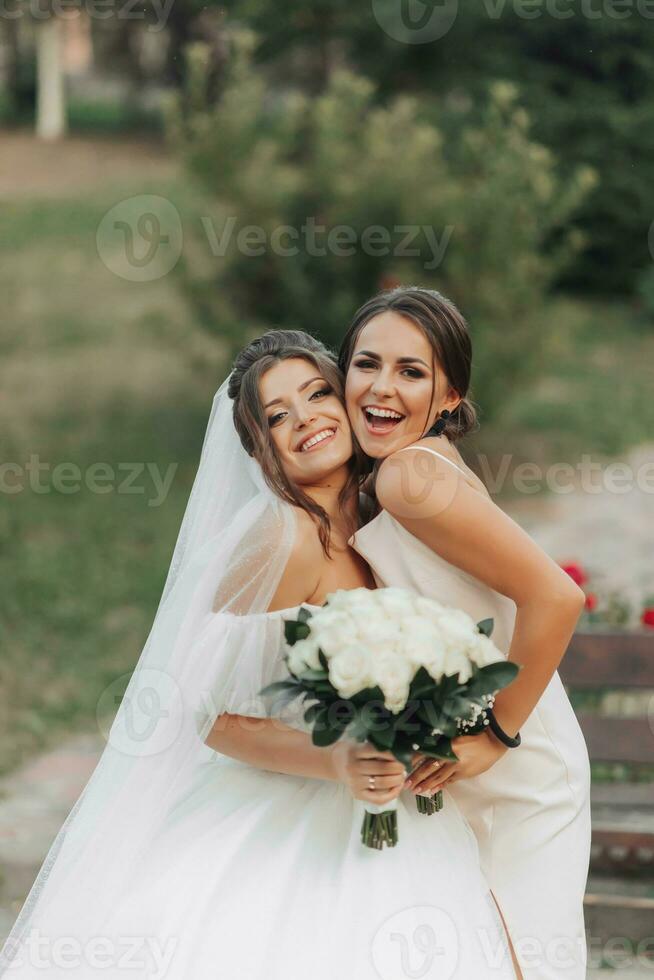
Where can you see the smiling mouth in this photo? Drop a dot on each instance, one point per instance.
(381, 421)
(316, 440)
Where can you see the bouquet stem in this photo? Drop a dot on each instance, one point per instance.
(430, 804)
(379, 826)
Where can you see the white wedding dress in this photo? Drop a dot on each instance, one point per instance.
(257, 875)
(531, 811)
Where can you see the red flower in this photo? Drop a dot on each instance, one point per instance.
(591, 601)
(576, 573)
(647, 618)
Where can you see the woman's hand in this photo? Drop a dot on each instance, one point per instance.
(476, 754)
(355, 762)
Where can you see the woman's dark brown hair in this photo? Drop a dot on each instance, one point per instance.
(446, 330)
(252, 424)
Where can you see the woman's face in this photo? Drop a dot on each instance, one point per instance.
(307, 422)
(394, 389)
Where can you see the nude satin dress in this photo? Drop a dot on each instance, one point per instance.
(530, 812)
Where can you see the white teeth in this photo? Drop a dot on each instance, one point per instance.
(316, 439)
(383, 413)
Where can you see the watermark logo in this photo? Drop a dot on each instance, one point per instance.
(150, 715)
(415, 21)
(421, 941)
(140, 239)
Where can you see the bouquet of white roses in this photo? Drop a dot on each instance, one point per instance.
(400, 671)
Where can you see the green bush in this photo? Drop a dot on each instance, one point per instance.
(468, 216)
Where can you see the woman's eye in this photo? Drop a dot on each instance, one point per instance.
(321, 392)
(273, 419)
(413, 373)
(365, 364)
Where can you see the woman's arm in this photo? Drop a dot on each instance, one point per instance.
(470, 531)
(269, 744)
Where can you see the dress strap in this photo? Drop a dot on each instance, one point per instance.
(427, 449)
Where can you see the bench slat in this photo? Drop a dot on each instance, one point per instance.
(623, 660)
(618, 739)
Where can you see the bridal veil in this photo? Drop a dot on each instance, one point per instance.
(206, 653)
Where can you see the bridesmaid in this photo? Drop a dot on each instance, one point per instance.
(524, 787)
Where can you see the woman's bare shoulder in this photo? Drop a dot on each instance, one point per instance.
(301, 574)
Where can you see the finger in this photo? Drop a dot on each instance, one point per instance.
(381, 782)
(436, 781)
(381, 767)
(368, 751)
(444, 776)
(427, 768)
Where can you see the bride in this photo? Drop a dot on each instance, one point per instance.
(407, 357)
(214, 839)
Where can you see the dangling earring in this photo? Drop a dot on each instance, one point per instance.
(439, 424)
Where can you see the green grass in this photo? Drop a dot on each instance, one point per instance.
(595, 389)
(93, 369)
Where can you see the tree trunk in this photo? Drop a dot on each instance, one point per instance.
(50, 102)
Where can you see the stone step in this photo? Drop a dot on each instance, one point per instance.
(34, 802)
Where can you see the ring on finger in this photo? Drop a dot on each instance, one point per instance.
(371, 783)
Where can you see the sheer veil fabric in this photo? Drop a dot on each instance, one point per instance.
(205, 654)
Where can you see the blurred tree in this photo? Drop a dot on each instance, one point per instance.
(50, 98)
(587, 82)
(344, 195)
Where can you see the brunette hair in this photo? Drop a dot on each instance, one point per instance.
(251, 422)
(446, 330)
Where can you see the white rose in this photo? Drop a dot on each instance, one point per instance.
(397, 604)
(393, 674)
(375, 632)
(350, 671)
(346, 599)
(484, 651)
(422, 644)
(458, 629)
(457, 662)
(303, 655)
(332, 630)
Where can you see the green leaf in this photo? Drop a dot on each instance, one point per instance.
(294, 631)
(326, 735)
(456, 707)
(422, 684)
(368, 694)
(313, 675)
(486, 626)
(494, 677)
(311, 712)
(384, 735)
(276, 686)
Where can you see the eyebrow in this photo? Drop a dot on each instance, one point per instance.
(400, 360)
(305, 384)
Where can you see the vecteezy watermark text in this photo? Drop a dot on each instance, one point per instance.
(425, 21)
(318, 240)
(39, 10)
(101, 478)
(98, 953)
(141, 239)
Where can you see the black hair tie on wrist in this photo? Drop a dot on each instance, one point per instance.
(499, 733)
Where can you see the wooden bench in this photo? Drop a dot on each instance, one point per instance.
(622, 855)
